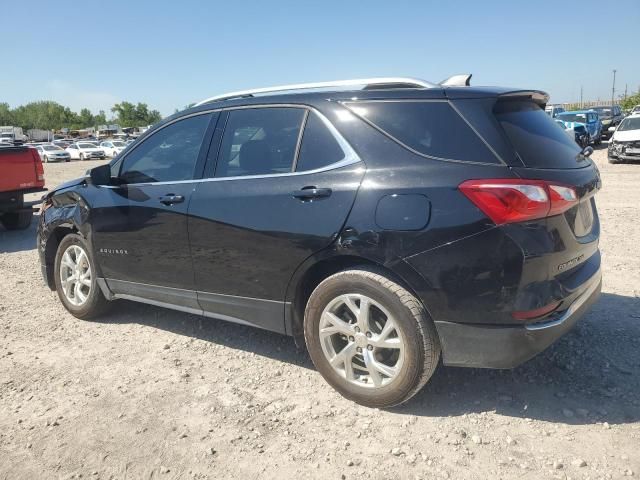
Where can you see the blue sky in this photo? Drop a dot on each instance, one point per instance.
(171, 53)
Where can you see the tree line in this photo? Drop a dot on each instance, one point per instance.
(49, 115)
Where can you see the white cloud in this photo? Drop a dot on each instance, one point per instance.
(75, 98)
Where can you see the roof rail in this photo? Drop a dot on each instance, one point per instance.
(367, 83)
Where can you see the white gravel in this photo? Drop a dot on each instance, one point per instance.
(148, 392)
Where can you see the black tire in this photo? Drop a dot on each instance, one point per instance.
(421, 343)
(16, 220)
(96, 304)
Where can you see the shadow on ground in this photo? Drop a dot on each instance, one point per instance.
(591, 375)
(19, 240)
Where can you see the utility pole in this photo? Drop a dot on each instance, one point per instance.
(581, 104)
(625, 91)
(613, 88)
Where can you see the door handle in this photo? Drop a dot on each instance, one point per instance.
(170, 199)
(309, 193)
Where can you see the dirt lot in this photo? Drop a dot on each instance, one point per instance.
(151, 393)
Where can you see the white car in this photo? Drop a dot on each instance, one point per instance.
(85, 151)
(625, 142)
(52, 153)
(113, 147)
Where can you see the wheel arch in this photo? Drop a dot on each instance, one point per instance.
(315, 270)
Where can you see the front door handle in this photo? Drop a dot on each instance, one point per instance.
(170, 199)
(309, 193)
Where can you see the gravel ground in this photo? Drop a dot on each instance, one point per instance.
(151, 393)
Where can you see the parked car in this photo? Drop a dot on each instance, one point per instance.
(587, 118)
(113, 147)
(383, 227)
(625, 140)
(62, 143)
(635, 109)
(554, 110)
(85, 151)
(22, 173)
(52, 153)
(609, 116)
(577, 133)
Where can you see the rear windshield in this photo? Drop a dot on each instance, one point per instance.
(433, 129)
(535, 136)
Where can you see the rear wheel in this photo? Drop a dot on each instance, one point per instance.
(370, 338)
(75, 279)
(16, 220)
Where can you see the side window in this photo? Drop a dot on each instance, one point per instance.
(259, 141)
(319, 148)
(433, 129)
(168, 155)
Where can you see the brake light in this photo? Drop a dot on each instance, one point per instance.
(37, 163)
(515, 200)
(538, 312)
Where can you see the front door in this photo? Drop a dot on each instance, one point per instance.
(276, 197)
(140, 226)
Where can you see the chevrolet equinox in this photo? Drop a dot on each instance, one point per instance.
(386, 224)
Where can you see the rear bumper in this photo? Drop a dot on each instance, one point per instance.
(490, 346)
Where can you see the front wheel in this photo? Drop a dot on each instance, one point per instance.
(370, 338)
(76, 280)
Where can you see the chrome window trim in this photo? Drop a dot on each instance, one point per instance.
(346, 104)
(350, 156)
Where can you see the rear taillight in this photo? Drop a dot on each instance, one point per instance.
(37, 163)
(516, 200)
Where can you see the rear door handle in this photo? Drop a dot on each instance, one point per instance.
(170, 199)
(309, 193)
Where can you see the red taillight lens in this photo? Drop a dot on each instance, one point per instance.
(538, 312)
(37, 163)
(515, 200)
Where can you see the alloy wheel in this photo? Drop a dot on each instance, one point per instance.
(75, 275)
(361, 341)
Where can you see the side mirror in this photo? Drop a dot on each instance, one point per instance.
(99, 175)
(588, 150)
(612, 129)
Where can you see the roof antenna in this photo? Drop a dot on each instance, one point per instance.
(461, 80)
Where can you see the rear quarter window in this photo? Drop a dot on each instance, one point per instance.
(430, 128)
(535, 137)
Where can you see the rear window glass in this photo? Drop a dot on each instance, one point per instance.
(433, 129)
(537, 139)
(319, 148)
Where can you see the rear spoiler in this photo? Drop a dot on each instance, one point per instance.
(538, 96)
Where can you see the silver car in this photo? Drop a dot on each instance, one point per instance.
(52, 153)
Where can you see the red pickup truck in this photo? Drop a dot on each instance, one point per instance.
(21, 172)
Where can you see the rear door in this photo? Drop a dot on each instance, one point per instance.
(140, 227)
(281, 190)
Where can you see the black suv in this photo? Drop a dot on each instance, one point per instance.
(610, 116)
(383, 227)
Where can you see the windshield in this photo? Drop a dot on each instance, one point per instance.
(629, 124)
(50, 148)
(603, 111)
(86, 145)
(7, 135)
(573, 117)
(119, 144)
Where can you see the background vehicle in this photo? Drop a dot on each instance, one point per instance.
(625, 140)
(554, 110)
(588, 119)
(22, 173)
(62, 143)
(609, 116)
(577, 133)
(423, 242)
(636, 109)
(10, 135)
(38, 135)
(52, 153)
(113, 147)
(85, 151)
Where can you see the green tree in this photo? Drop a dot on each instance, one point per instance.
(631, 101)
(101, 118)
(130, 115)
(6, 115)
(86, 118)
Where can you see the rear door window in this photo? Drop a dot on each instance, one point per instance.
(259, 141)
(432, 129)
(535, 137)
